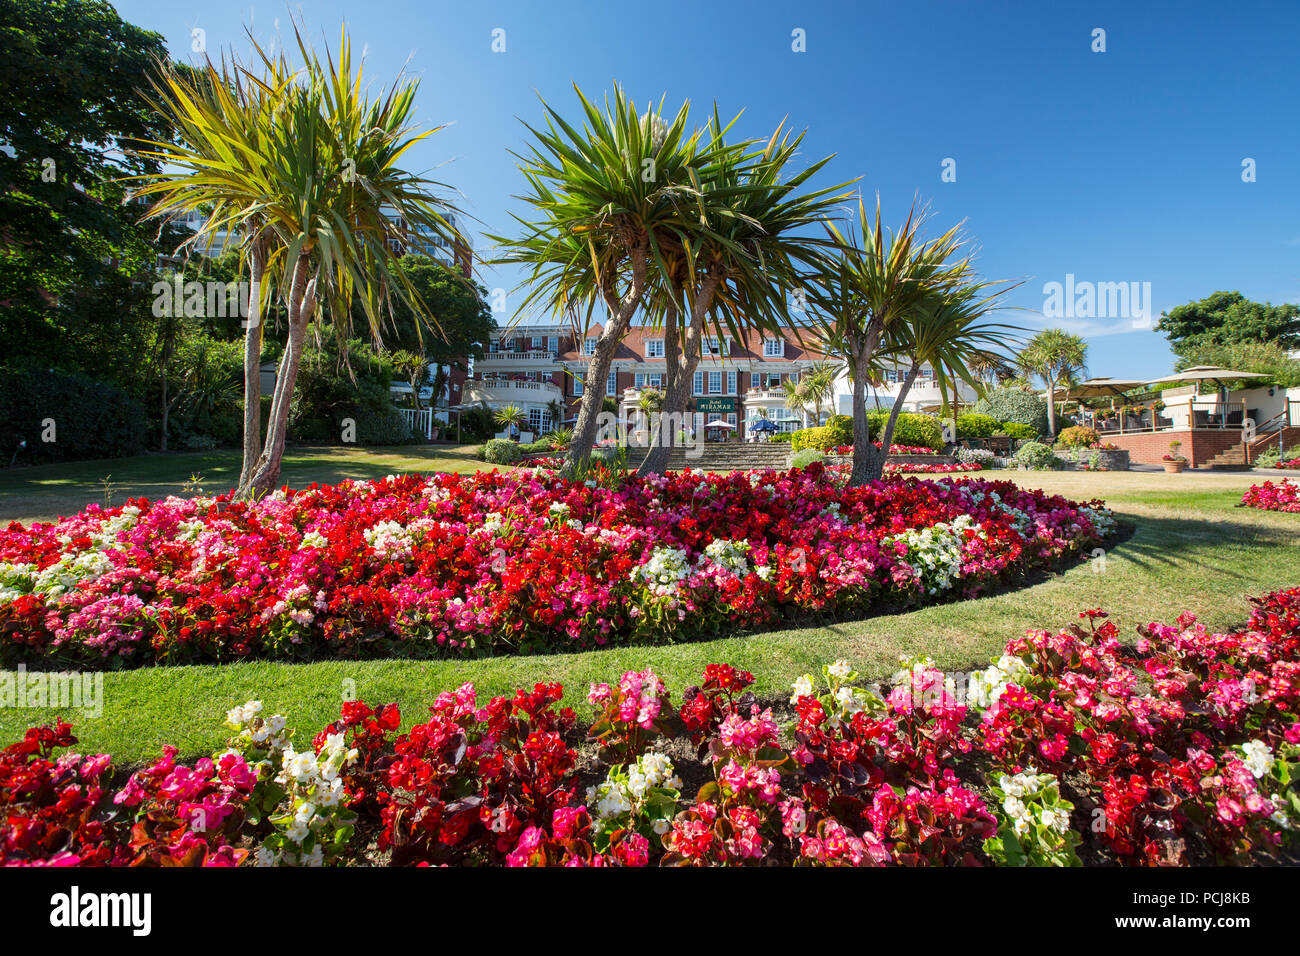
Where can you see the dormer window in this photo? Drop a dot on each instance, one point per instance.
(588, 346)
(654, 348)
(773, 348)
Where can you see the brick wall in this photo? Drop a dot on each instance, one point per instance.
(1149, 448)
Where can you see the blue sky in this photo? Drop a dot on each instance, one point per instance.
(1116, 166)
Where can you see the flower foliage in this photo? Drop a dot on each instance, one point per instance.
(1180, 747)
(504, 562)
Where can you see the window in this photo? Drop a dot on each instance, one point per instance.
(638, 380)
(773, 380)
(773, 348)
(654, 348)
(755, 379)
(715, 383)
(577, 386)
(535, 420)
(731, 382)
(731, 418)
(611, 384)
(494, 345)
(699, 383)
(711, 346)
(588, 346)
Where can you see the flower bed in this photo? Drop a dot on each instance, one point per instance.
(1182, 747)
(1283, 496)
(926, 468)
(1290, 461)
(517, 561)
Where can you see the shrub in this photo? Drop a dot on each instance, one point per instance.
(325, 394)
(976, 426)
(782, 436)
(975, 456)
(383, 426)
(841, 429)
(910, 429)
(87, 419)
(1037, 456)
(806, 457)
(1077, 436)
(818, 438)
(1019, 431)
(1014, 405)
(501, 451)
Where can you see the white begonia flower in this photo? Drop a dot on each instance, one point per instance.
(1259, 757)
(803, 687)
(840, 669)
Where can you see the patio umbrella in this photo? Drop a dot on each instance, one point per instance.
(763, 425)
(1209, 373)
(1102, 387)
(718, 423)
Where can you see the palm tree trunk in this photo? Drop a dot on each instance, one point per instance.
(302, 303)
(683, 372)
(656, 457)
(253, 367)
(593, 395)
(868, 461)
(887, 433)
(1051, 406)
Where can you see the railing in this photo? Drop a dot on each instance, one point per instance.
(419, 420)
(1271, 431)
(1195, 414)
(532, 355)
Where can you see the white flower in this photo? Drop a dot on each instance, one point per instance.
(803, 687)
(840, 670)
(1259, 757)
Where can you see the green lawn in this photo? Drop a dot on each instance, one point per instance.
(1191, 550)
(44, 492)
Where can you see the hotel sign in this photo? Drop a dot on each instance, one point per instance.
(715, 406)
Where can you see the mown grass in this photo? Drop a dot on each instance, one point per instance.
(45, 492)
(1190, 549)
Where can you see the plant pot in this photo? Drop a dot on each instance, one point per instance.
(1174, 467)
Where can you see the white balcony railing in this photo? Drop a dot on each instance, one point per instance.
(765, 395)
(510, 392)
(516, 358)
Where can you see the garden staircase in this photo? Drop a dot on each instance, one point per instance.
(726, 456)
(1233, 459)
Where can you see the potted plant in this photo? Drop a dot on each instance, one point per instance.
(1174, 462)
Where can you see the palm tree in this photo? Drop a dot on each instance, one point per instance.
(303, 166)
(946, 331)
(600, 195)
(508, 416)
(796, 396)
(736, 257)
(818, 384)
(1053, 355)
(651, 403)
(867, 287)
(414, 368)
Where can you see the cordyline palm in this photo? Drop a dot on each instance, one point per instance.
(736, 257)
(600, 195)
(302, 165)
(507, 416)
(946, 331)
(863, 290)
(1053, 355)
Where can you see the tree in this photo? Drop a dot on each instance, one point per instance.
(796, 396)
(457, 322)
(1053, 355)
(414, 368)
(600, 195)
(303, 166)
(508, 416)
(736, 257)
(947, 332)
(72, 256)
(1225, 318)
(873, 281)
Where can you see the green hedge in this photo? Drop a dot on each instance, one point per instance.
(86, 418)
(911, 428)
(976, 426)
(1019, 431)
(819, 438)
(1015, 405)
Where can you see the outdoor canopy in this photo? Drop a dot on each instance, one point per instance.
(763, 425)
(1209, 373)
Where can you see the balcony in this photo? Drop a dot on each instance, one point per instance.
(533, 358)
(510, 393)
(765, 396)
